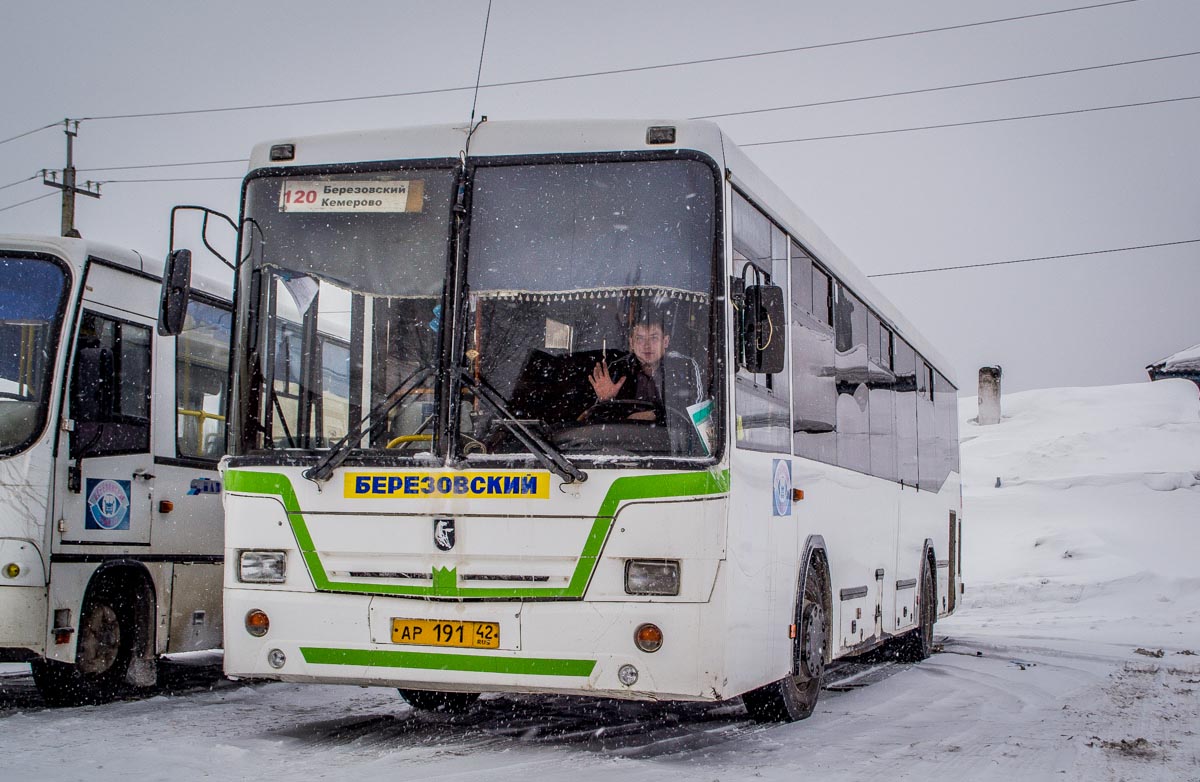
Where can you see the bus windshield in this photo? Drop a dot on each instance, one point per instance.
(344, 265)
(32, 297)
(590, 292)
(587, 313)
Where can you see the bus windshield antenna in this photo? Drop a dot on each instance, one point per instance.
(478, 75)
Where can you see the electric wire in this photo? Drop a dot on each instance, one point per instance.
(20, 181)
(28, 201)
(924, 90)
(170, 179)
(608, 72)
(30, 132)
(973, 122)
(166, 165)
(1034, 260)
(772, 109)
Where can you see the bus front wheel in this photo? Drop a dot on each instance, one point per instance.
(102, 659)
(794, 697)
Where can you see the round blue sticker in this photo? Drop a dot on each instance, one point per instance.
(107, 504)
(781, 488)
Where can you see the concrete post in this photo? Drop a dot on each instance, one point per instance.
(989, 396)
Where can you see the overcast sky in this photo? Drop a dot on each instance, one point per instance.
(949, 196)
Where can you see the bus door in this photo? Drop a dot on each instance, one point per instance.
(106, 471)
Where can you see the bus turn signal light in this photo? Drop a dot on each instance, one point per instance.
(257, 622)
(648, 637)
(797, 495)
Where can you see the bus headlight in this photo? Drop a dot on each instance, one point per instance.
(262, 567)
(652, 576)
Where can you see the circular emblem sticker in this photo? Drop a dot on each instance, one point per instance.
(781, 488)
(107, 504)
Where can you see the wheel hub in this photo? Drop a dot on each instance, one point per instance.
(99, 640)
(812, 642)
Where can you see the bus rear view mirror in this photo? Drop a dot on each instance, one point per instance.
(176, 285)
(762, 333)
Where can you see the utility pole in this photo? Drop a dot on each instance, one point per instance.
(67, 185)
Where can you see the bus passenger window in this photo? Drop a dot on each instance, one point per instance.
(814, 393)
(852, 375)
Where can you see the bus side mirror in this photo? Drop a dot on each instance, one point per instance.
(176, 285)
(762, 332)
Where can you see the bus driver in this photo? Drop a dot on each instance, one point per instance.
(649, 374)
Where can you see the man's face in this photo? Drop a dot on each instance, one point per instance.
(648, 343)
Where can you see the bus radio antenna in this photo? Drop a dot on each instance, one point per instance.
(478, 75)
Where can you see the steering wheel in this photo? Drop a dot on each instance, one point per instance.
(615, 411)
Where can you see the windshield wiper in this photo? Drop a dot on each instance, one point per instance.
(550, 457)
(322, 470)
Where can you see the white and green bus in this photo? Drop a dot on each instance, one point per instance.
(571, 407)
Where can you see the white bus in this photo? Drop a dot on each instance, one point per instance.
(571, 407)
(110, 544)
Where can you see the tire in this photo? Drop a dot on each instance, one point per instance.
(445, 702)
(103, 651)
(794, 697)
(917, 645)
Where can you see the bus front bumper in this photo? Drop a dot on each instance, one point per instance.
(550, 647)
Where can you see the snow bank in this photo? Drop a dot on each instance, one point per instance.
(1094, 529)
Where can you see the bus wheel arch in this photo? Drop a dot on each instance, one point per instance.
(795, 696)
(115, 647)
(917, 644)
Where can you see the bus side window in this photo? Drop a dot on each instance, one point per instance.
(201, 376)
(852, 373)
(110, 389)
(761, 401)
(814, 416)
(906, 412)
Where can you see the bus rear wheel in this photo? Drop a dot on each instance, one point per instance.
(104, 649)
(794, 697)
(445, 702)
(918, 644)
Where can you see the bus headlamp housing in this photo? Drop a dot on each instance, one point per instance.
(652, 576)
(262, 567)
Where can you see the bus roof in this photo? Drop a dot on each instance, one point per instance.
(76, 251)
(536, 137)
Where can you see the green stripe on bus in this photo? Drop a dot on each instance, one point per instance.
(445, 583)
(432, 661)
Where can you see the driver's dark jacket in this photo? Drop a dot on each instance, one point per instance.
(677, 379)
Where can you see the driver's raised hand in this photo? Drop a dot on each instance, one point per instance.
(603, 384)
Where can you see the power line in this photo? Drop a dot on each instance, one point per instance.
(1033, 260)
(612, 71)
(974, 122)
(167, 165)
(30, 132)
(19, 182)
(29, 201)
(171, 179)
(946, 87)
(766, 110)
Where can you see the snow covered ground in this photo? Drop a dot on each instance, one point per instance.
(1081, 556)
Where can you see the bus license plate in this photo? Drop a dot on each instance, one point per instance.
(430, 632)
